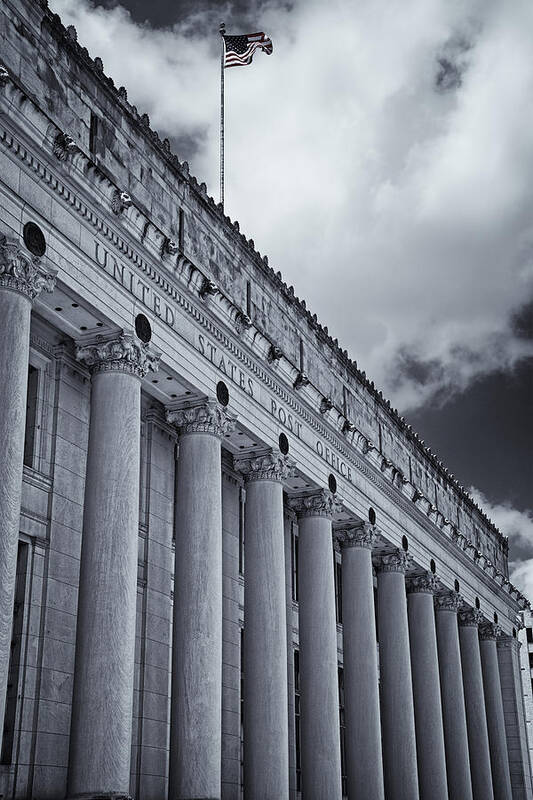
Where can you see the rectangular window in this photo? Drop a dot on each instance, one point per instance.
(338, 588)
(342, 733)
(15, 658)
(529, 635)
(297, 728)
(31, 415)
(294, 563)
(93, 133)
(531, 659)
(302, 358)
(242, 500)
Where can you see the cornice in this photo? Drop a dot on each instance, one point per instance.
(376, 468)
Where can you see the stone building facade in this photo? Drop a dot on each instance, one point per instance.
(227, 565)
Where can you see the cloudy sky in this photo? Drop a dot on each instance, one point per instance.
(382, 157)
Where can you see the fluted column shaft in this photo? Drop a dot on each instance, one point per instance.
(266, 734)
(364, 764)
(320, 734)
(453, 704)
(426, 688)
(397, 710)
(100, 741)
(21, 280)
(476, 719)
(501, 779)
(196, 697)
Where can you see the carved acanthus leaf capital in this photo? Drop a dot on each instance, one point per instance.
(22, 272)
(361, 535)
(271, 466)
(490, 630)
(322, 503)
(123, 353)
(206, 417)
(449, 601)
(470, 617)
(397, 561)
(506, 642)
(423, 584)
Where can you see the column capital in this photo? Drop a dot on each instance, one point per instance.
(205, 417)
(363, 534)
(490, 630)
(428, 583)
(321, 503)
(449, 601)
(122, 353)
(397, 561)
(270, 466)
(22, 272)
(470, 617)
(506, 642)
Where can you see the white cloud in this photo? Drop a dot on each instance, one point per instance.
(518, 526)
(382, 157)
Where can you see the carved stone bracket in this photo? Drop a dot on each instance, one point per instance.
(22, 272)
(242, 322)
(4, 77)
(274, 353)
(64, 146)
(490, 630)
(124, 353)
(321, 503)
(397, 561)
(271, 466)
(208, 287)
(361, 535)
(470, 617)
(120, 201)
(326, 404)
(423, 584)
(449, 601)
(206, 417)
(300, 380)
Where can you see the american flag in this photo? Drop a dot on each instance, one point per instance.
(239, 50)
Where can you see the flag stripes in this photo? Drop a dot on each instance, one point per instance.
(239, 50)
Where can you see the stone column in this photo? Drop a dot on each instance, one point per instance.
(320, 734)
(196, 705)
(447, 605)
(21, 280)
(476, 718)
(364, 763)
(266, 734)
(100, 738)
(488, 634)
(397, 710)
(426, 688)
(508, 651)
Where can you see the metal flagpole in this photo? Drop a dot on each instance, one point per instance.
(222, 31)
